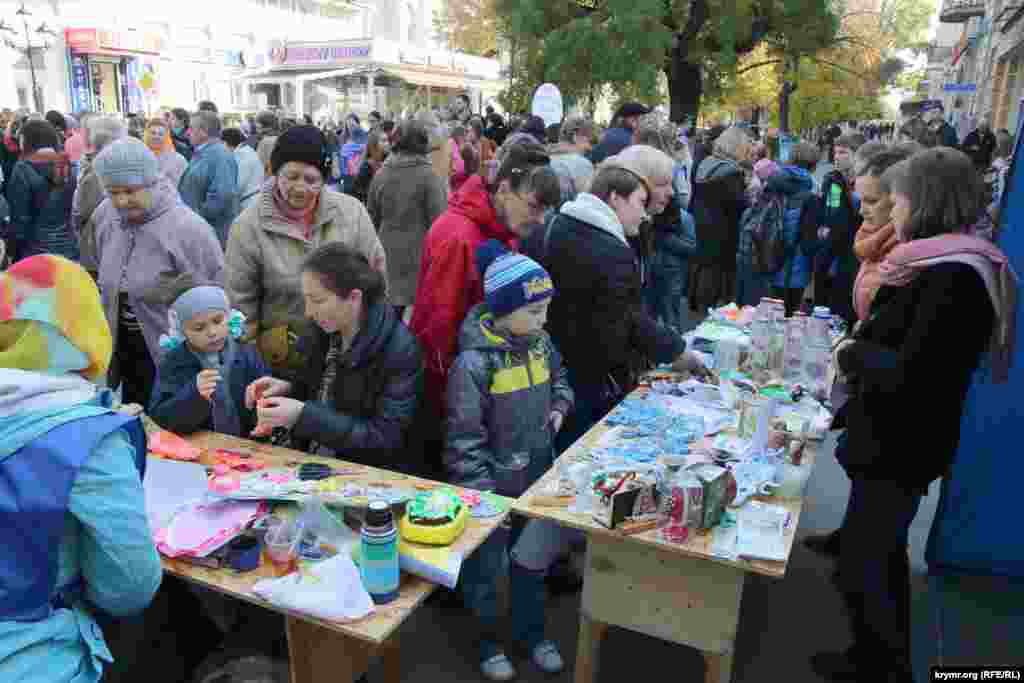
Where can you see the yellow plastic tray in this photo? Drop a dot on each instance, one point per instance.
(443, 534)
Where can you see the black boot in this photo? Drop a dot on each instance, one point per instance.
(824, 544)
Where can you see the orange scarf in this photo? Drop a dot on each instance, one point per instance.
(871, 245)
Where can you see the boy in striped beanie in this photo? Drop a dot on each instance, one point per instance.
(507, 397)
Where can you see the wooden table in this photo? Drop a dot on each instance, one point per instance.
(322, 650)
(681, 593)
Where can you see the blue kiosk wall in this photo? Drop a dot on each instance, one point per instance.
(975, 552)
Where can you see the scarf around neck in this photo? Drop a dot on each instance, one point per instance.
(873, 242)
(907, 261)
(302, 217)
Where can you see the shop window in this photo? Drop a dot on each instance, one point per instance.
(1011, 94)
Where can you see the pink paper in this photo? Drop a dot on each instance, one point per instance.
(200, 529)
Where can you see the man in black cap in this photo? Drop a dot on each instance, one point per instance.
(620, 135)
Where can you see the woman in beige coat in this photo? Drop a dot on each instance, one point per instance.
(294, 214)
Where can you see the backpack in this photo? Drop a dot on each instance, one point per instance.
(354, 162)
(766, 226)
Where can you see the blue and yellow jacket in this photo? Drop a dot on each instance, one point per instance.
(500, 396)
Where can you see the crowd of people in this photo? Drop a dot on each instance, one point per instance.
(460, 302)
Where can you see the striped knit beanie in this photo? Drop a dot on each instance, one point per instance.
(511, 280)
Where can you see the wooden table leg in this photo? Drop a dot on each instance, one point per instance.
(717, 667)
(390, 660)
(659, 593)
(588, 650)
(318, 654)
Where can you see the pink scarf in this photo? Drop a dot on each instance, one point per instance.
(303, 217)
(905, 262)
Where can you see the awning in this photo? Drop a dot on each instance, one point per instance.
(433, 79)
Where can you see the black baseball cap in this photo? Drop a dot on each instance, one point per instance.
(632, 109)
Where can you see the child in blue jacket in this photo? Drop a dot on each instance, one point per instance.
(205, 369)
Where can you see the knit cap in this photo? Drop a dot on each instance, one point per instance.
(127, 163)
(305, 144)
(511, 280)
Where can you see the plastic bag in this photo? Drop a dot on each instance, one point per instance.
(320, 526)
(331, 590)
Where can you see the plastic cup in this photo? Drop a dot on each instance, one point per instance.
(281, 543)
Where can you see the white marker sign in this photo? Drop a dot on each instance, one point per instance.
(547, 104)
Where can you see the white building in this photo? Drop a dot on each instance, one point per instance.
(300, 55)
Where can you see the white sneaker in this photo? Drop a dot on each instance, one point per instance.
(547, 657)
(498, 668)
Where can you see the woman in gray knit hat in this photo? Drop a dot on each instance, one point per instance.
(144, 233)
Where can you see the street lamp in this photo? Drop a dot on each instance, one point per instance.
(43, 32)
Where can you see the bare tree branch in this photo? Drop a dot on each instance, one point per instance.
(838, 67)
(758, 65)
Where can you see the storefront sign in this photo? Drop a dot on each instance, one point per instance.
(281, 55)
(79, 84)
(959, 11)
(104, 40)
(547, 104)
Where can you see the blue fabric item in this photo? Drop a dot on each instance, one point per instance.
(973, 531)
(209, 186)
(40, 213)
(106, 554)
(177, 406)
(34, 489)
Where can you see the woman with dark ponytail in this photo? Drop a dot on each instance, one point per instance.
(361, 390)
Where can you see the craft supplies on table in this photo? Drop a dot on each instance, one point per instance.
(169, 486)
(435, 518)
(198, 529)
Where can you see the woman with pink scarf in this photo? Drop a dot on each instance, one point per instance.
(293, 215)
(946, 298)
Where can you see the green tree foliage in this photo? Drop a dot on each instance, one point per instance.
(627, 44)
(469, 26)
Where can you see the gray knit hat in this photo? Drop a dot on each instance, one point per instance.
(127, 163)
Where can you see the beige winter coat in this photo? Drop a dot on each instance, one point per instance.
(264, 257)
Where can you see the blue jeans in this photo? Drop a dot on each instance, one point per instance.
(665, 294)
(532, 545)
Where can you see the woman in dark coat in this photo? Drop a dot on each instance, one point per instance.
(946, 297)
(718, 202)
(405, 199)
(360, 395)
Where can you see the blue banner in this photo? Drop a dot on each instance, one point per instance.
(960, 87)
(80, 99)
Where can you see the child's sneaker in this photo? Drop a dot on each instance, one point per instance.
(547, 657)
(498, 668)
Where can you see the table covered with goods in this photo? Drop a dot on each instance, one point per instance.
(346, 552)
(688, 485)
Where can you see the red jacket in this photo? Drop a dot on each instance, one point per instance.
(449, 282)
